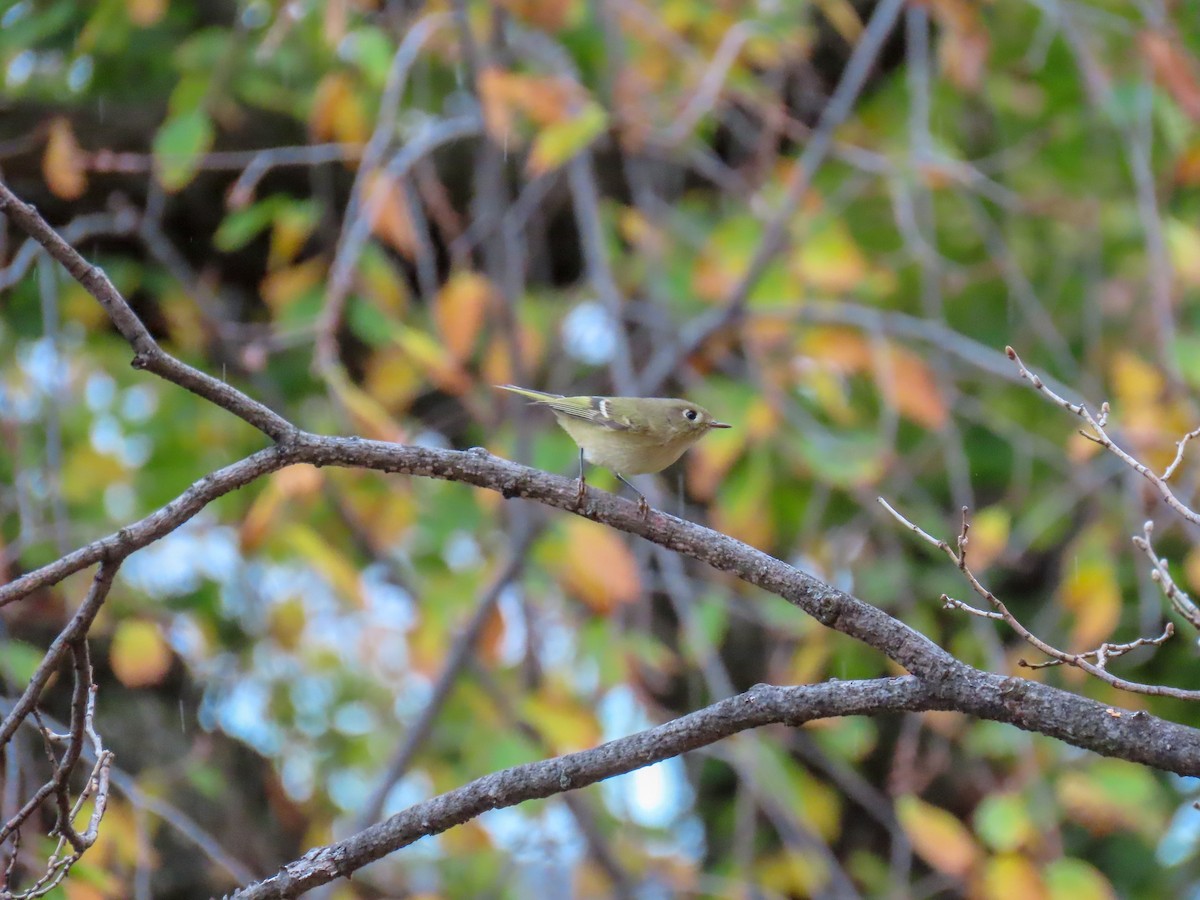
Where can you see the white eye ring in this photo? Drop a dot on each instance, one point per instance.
(690, 415)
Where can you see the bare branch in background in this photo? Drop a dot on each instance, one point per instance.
(1097, 422)
(1082, 660)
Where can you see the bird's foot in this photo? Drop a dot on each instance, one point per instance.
(581, 494)
(643, 507)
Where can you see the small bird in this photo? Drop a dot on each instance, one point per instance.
(626, 435)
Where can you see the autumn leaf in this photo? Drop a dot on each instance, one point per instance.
(559, 142)
(144, 13)
(139, 655)
(1011, 875)
(63, 162)
(938, 837)
(598, 567)
(383, 196)
(459, 310)
(1090, 591)
(337, 111)
(1174, 69)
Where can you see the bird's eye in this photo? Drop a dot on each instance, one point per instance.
(690, 415)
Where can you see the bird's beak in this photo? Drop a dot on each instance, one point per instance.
(719, 425)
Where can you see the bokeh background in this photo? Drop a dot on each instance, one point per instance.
(366, 212)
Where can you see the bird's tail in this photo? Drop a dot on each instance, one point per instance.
(535, 396)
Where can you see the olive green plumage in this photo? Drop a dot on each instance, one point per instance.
(626, 435)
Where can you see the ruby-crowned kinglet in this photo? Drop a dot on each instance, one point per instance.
(626, 435)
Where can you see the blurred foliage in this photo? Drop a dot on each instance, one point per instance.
(1029, 178)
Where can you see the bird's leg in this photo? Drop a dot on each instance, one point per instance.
(579, 497)
(643, 506)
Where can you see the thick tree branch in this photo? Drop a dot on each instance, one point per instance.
(1029, 705)
(939, 680)
(761, 705)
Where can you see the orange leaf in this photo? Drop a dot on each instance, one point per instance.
(1174, 69)
(337, 112)
(139, 655)
(908, 384)
(549, 15)
(63, 161)
(938, 837)
(144, 13)
(389, 212)
(964, 44)
(598, 567)
(459, 311)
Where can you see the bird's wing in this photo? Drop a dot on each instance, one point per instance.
(590, 409)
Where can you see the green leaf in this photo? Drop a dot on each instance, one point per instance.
(242, 226)
(558, 143)
(178, 146)
(372, 52)
(1003, 822)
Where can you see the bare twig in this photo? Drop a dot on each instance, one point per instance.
(1177, 597)
(1098, 435)
(148, 354)
(1079, 660)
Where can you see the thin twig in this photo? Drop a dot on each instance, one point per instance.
(1098, 435)
(1079, 660)
(1160, 574)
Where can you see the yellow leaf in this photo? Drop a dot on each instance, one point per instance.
(938, 837)
(830, 260)
(793, 873)
(988, 536)
(337, 112)
(497, 364)
(370, 417)
(841, 349)
(1012, 875)
(286, 621)
(86, 470)
(393, 380)
(567, 724)
(1135, 382)
(598, 567)
(844, 18)
(282, 288)
(139, 656)
(430, 358)
(559, 142)
(338, 571)
(259, 519)
(63, 163)
(1090, 591)
(290, 231)
(459, 310)
(1183, 244)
